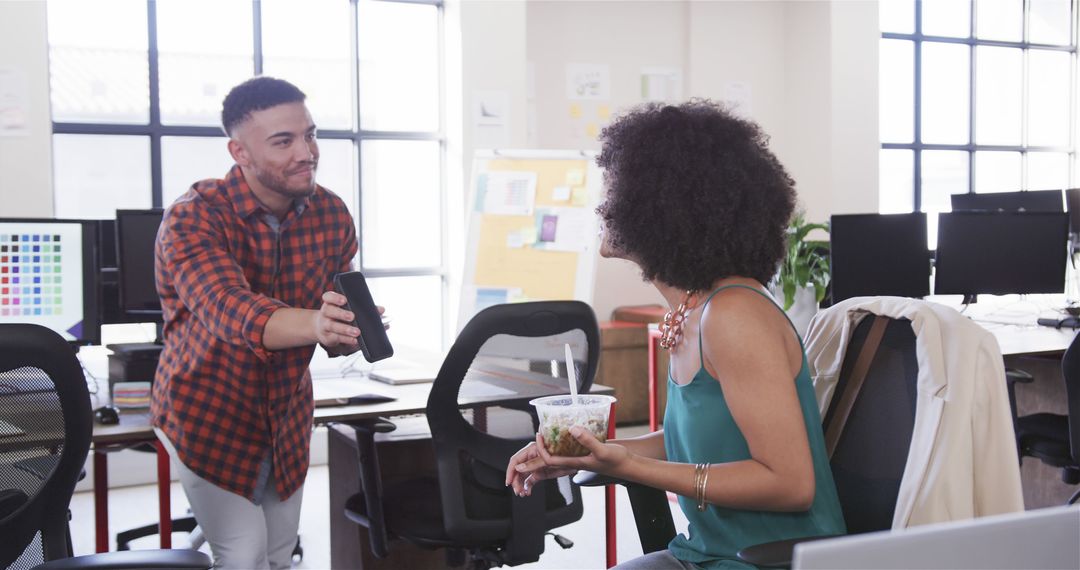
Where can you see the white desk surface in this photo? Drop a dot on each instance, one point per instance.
(1012, 319)
(338, 377)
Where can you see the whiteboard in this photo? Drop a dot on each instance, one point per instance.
(532, 228)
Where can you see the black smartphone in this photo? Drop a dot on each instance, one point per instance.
(373, 340)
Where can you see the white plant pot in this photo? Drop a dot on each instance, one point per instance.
(802, 310)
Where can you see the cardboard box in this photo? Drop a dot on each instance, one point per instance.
(624, 365)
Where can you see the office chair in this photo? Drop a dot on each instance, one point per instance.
(1054, 439)
(466, 509)
(870, 440)
(45, 410)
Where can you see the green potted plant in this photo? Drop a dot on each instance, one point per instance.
(806, 262)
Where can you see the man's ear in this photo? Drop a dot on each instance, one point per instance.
(238, 152)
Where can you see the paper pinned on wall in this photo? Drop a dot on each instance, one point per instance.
(579, 196)
(528, 235)
(14, 109)
(565, 229)
(488, 296)
(575, 177)
(663, 84)
(588, 81)
(491, 123)
(514, 241)
(509, 192)
(560, 194)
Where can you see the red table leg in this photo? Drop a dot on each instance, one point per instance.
(101, 501)
(609, 504)
(654, 405)
(164, 498)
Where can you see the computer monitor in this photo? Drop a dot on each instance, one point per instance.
(48, 276)
(1028, 201)
(1001, 253)
(879, 254)
(136, 233)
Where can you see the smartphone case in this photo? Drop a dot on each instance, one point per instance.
(373, 340)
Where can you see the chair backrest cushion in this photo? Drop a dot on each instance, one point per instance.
(1070, 372)
(522, 342)
(870, 455)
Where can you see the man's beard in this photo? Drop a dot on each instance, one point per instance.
(281, 185)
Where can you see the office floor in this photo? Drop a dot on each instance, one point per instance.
(137, 505)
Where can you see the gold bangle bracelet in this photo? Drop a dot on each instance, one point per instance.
(701, 490)
(698, 471)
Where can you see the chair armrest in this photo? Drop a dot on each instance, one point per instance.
(590, 479)
(1015, 375)
(133, 559)
(777, 554)
(371, 490)
(652, 511)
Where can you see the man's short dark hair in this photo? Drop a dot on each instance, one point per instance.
(256, 94)
(694, 194)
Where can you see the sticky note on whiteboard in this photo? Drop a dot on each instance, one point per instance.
(579, 196)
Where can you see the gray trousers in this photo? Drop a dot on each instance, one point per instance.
(659, 560)
(242, 535)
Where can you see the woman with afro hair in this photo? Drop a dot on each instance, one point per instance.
(697, 200)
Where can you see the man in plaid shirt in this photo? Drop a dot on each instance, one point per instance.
(245, 267)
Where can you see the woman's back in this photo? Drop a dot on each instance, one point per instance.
(699, 427)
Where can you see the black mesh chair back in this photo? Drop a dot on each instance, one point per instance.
(524, 341)
(45, 428)
(870, 455)
(1054, 438)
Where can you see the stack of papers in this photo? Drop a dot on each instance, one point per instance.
(131, 394)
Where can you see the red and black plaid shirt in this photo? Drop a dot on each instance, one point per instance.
(224, 400)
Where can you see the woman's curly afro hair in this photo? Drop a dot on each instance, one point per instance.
(694, 194)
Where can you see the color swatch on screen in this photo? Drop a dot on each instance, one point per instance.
(31, 276)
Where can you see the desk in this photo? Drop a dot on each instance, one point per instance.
(489, 386)
(407, 452)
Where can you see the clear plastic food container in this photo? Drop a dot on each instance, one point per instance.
(558, 415)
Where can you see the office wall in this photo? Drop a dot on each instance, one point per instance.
(806, 71)
(625, 36)
(26, 160)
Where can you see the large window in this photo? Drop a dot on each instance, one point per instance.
(975, 96)
(137, 85)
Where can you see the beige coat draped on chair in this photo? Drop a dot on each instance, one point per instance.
(962, 462)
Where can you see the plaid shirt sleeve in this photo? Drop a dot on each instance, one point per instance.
(209, 282)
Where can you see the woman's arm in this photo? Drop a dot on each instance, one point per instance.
(748, 350)
(649, 445)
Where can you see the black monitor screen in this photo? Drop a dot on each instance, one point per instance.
(136, 233)
(875, 254)
(1001, 253)
(1072, 204)
(48, 276)
(1028, 201)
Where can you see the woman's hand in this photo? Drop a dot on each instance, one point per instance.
(533, 463)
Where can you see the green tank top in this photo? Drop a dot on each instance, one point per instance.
(698, 428)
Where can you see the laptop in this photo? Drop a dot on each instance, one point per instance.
(1040, 538)
(404, 375)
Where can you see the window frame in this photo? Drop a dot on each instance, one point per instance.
(917, 145)
(155, 130)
